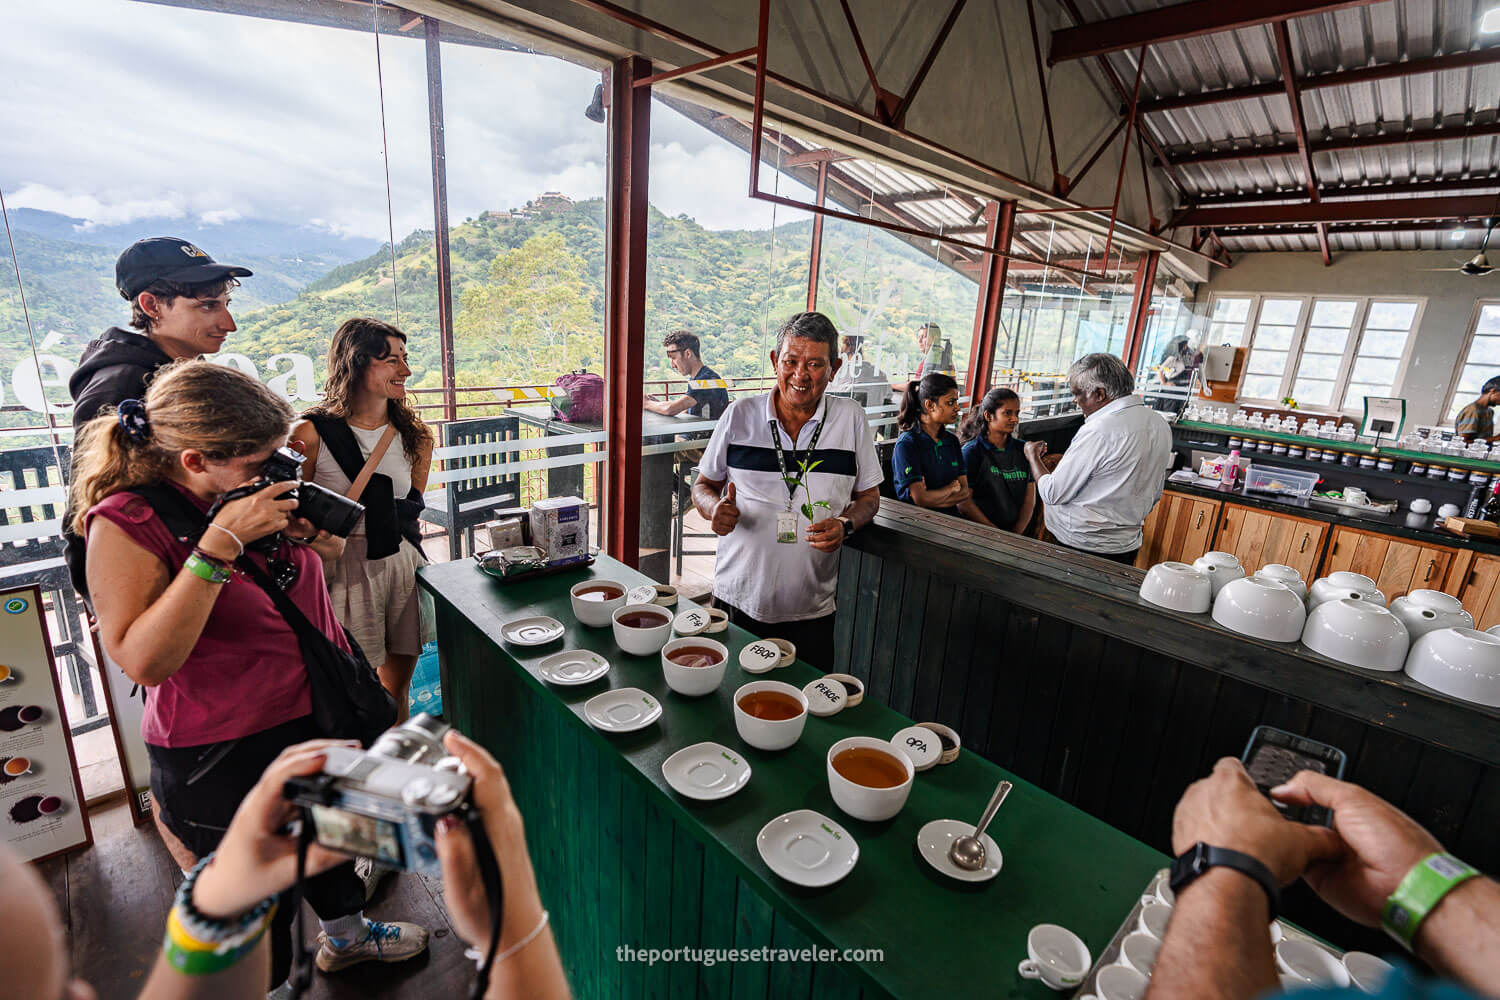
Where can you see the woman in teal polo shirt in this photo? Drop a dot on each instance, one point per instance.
(927, 462)
(995, 463)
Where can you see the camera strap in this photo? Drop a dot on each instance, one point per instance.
(376, 454)
(494, 891)
(300, 977)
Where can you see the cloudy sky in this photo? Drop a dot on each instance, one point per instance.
(116, 110)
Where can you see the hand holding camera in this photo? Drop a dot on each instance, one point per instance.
(250, 518)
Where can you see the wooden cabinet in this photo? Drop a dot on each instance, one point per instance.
(1259, 538)
(1179, 528)
(1479, 590)
(1397, 565)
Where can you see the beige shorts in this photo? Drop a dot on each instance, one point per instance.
(377, 600)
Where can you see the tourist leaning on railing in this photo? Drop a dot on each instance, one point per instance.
(227, 685)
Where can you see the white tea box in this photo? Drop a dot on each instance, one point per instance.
(507, 532)
(560, 528)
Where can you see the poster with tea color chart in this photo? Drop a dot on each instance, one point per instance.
(41, 797)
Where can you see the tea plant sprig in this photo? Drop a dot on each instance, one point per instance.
(799, 482)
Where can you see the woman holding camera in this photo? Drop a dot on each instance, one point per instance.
(226, 684)
(365, 425)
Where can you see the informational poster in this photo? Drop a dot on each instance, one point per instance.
(127, 707)
(41, 798)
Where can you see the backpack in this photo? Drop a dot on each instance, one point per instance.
(585, 392)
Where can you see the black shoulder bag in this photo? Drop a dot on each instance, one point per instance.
(348, 701)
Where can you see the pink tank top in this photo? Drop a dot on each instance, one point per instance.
(245, 674)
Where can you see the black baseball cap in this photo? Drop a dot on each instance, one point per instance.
(167, 258)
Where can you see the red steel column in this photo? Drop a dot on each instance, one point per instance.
(815, 252)
(625, 305)
(1002, 223)
(1140, 308)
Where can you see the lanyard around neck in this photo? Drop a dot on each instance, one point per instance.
(781, 455)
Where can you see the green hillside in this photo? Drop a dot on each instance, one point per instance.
(528, 295)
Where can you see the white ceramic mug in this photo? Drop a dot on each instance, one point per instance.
(1056, 956)
(1153, 919)
(1118, 982)
(862, 801)
(642, 641)
(1366, 972)
(1160, 892)
(1139, 951)
(1305, 962)
(769, 734)
(596, 613)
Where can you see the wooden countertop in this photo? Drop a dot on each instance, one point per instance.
(1103, 596)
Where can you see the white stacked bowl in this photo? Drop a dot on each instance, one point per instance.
(1423, 611)
(1260, 608)
(1359, 633)
(1461, 662)
(1220, 567)
(1282, 573)
(1344, 585)
(1178, 587)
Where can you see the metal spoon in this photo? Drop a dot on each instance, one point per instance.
(968, 852)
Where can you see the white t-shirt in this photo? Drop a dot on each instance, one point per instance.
(1110, 477)
(393, 463)
(769, 580)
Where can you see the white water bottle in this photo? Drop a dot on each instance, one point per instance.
(1230, 469)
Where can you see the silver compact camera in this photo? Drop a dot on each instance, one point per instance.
(384, 803)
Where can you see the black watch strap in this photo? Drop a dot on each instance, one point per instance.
(1201, 857)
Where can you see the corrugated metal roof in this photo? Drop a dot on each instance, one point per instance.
(1373, 34)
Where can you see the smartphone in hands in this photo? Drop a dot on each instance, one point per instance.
(1273, 755)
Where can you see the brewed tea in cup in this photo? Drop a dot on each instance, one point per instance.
(770, 715)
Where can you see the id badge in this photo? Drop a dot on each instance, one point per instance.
(786, 527)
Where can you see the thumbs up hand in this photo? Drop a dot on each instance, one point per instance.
(726, 512)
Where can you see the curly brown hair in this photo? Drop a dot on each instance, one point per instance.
(355, 344)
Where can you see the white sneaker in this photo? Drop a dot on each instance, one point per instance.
(383, 942)
(371, 873)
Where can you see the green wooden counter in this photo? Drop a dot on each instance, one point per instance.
(622, 860)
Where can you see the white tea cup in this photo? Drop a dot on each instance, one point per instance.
(1305, 963)
(1056, 956)
(1366, 972)
(865, 802)
(1139, 951)
(769, 734)
(1160, 892)
(1153, 919)
(1118, 982)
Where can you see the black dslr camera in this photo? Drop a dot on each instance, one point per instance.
(384, 803)
(328, 511)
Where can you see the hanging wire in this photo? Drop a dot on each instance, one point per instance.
(385, 154)
(36, 360)
(765, 315)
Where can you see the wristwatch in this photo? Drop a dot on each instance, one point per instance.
(1201, 857)
(848, 525)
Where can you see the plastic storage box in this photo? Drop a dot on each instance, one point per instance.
(1281, 482)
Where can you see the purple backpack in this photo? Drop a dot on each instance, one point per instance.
(586, 393)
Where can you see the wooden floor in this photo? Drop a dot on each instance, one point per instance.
(115, 895)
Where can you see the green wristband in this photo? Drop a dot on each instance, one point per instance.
(202, 568)
(1429, 881)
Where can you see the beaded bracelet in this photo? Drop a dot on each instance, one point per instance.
(198, 945)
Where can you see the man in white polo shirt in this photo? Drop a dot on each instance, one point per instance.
(777, 568)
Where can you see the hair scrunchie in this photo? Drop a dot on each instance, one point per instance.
(132, 414)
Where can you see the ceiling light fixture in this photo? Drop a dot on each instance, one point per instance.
(1490, 23)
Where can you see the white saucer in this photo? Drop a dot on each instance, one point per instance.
(536, 631)
(759, 657)
(807, 848)
(934, 839)
(706, 771)
(572, 666)
(623, 710)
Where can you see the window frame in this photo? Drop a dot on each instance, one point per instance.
(1251, 315)
(1357, 331)
(1462, 360)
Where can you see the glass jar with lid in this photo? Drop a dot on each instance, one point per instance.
(1435, 471)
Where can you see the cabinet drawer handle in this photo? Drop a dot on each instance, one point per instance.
(1305, 536)
(1431, 565)
(1200, 521)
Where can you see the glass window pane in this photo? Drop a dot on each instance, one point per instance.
(1277, 338)
(1334, 312)
(1282, 311)
(1267, 363)
(1391, 316)
(1260, 387)
(1312, 392)
(1485, 351)
(1326, 340)
(1383, 343)
(1469, 382)
(1319, 366)
(1489, 319)
(1231, 310)
(1378, 370)
(1355, 399)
